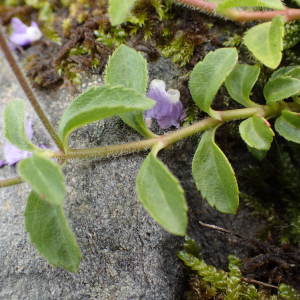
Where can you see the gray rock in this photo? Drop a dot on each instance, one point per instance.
(125, 254)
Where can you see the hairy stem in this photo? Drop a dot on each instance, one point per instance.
(11, 181)
(28, 91)
(265, 111)
(289, 14)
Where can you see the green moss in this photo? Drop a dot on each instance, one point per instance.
(207, 282)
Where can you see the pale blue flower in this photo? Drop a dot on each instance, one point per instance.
(168, 110)
(13, 155)
(23, 35)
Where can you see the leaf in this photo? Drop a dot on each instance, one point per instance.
(162, 196)
(50, 234)
(294, 72)
(258, 154)
(281, 88)
(99, 103)
(281, 72)
(118, 10)
(45, 177)
(127, 67)
(227, 4)
(265, 42)
(208, 76)
(214, 176)
(257, 133)
(14, 129)
(240, 82)
(288, 126)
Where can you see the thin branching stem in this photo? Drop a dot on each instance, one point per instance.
(288, 14)
(265, 111)
(11, 181)
(28, 91)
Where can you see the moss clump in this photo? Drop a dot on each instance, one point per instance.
(206, 282)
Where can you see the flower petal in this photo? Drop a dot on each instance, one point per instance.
(28, 129)
(158, 93)
(20, 39)
(18, 26)
(13, 155)
(33, 34)
(33, 24)
(168, 109)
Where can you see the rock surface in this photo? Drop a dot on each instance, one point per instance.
(125, 254)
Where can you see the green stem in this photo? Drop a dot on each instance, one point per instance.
(28, 91)
(11, 181)
(265, 111)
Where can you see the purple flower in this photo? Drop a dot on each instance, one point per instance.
(168, 109)
(13, 155)
(23, 35)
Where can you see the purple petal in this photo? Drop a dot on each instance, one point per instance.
(28, 129)
(18, 26)
(158, 93)
(12, 154)
(2, 163)
(33, 24)
(168, 109)
(20, 39)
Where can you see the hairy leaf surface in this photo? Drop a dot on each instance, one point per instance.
(99, 103)
(281, 72)
(214, 176)
(256, 132)
(127, 67)
(265, 42)
(275, 4)
(118, 10)
(45, 177)
(258, 154)
(288, 126)
(14, 129)
(240, 82)
(281, 88)
(50, 234)
(208, 76)
(162, 196)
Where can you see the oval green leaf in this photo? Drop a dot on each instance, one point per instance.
(214, 176)
(288, 126)
(240, 82)
(119, 10)
(282, 72)
(227, 4)
(50, 234)
(265, 42)
(258, 154)
(208, 76)
(257, 133)
(99, 103)
(45, 177)
(281, 88)
(128, 68)
(14, 130)
(162, 196)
